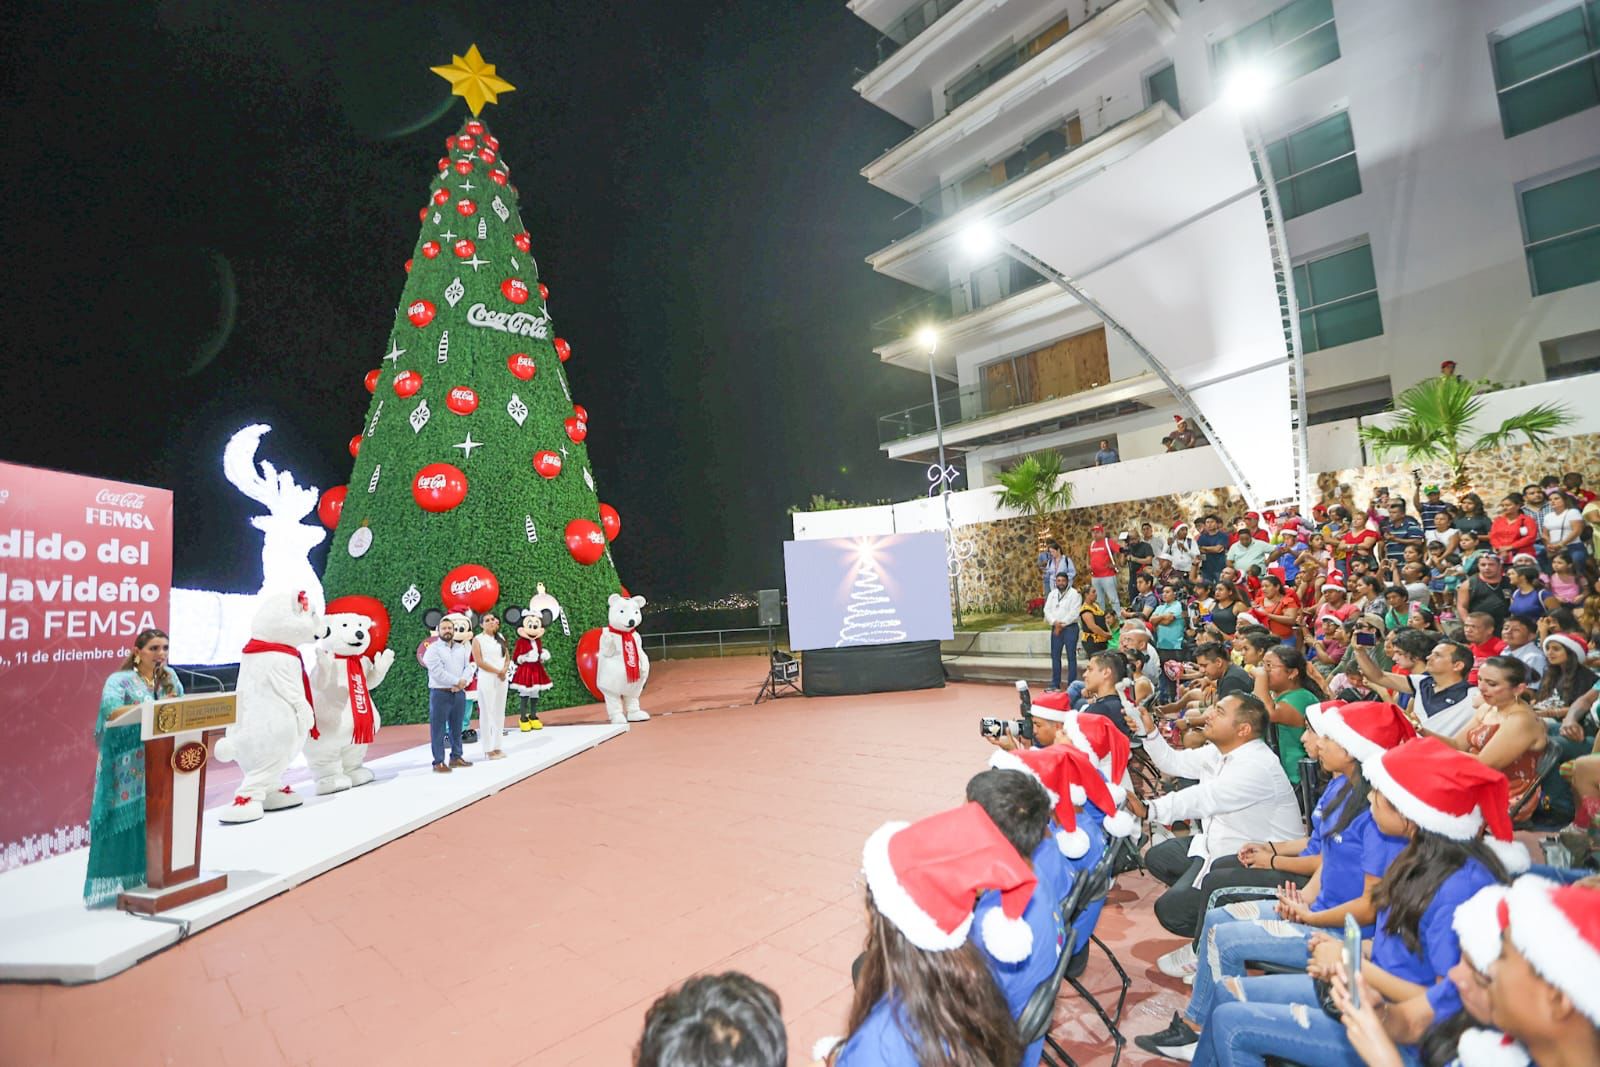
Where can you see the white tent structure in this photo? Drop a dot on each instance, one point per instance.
(1177, 247)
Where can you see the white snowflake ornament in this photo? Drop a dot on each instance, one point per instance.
(454, 292)
(411, 598)
(419, 416)
(516, 409)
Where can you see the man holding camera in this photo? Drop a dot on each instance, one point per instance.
(1061, 609)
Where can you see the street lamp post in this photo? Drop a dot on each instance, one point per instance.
(929, 338)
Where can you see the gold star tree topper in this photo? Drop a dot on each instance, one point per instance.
(474, 80)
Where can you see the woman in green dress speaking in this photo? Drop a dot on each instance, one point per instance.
(116, 819)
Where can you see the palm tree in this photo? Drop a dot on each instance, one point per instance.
(1036, 487)
(1433, 417)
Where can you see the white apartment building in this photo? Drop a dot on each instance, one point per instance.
(1437, 164)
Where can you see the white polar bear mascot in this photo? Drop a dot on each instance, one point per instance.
(347, 717)
(622, 667)
(275, 713)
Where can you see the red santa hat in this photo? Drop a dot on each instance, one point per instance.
(925, 875)
(1334, 580)
(1246, 618)
(1365, 728)
(1319, 509)
(1098, 738)
(1179, 525)
(1478, 1047)
(1477, 926)
(1449, 793)
(1575, 644)
(1051, 706)
(1557, 929)
(1069, 779)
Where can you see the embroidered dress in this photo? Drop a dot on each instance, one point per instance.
(116, 817)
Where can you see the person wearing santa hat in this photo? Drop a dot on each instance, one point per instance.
(1345, 855)
(925, 987)
(1183, 549)
(1545, 990)
(1453, 1041)
(1102, 560)
(1443, 801)
(1242, 796)
(1335, 600)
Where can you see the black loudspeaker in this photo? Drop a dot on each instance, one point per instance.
(771, 609)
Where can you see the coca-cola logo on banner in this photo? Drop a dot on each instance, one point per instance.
(119, 500)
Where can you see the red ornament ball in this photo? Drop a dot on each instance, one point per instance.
(576, 429)
(355, 446)
(430, 249)
(420, 313)
(471, 584)
(372, 608)
(466, 208)
(522, 365)
(408, 266)
(544, 291)
(474, 127)
(581, 411)
(372, 379)
(464, 249)
(563, 349)
(588, 658)
(450, 143)
(524, 242)
(465, 142)
(514, 290)
(461, 400)
(331, 506)
(422, 213)
(444, 164)
(586, 541)
(439, 487)
(547, 463)
(498, 177)
(611, 523)
(493, 142)
(486, 154)
(406, 383)
(441, 196)
(463, 166)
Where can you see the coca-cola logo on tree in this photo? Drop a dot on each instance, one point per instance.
(519, 322)
(472, 584)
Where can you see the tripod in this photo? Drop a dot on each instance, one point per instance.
(783, 671)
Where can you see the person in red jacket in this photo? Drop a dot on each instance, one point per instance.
(1512, 531)
(1103, 554)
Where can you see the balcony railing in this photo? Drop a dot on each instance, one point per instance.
(989, 285)
(910, 25)
(983, 401)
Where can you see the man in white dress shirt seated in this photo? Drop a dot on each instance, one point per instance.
(1242, 796)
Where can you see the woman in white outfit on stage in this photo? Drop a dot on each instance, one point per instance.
(492, 658)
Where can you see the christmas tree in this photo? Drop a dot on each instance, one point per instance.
(471, 481)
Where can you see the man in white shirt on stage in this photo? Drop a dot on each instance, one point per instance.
(1242, 796)
(1061, 609)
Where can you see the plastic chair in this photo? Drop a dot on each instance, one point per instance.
(1549, 759)
(1034, 1022)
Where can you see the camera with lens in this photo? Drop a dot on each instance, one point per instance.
(1021, 728)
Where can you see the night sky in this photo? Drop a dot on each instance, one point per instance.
(689, 172)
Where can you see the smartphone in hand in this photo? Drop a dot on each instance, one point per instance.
(1352, 958)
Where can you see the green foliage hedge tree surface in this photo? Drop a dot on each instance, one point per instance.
(470, 465)
(1432, 421)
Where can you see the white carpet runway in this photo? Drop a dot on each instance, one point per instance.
(46, 934)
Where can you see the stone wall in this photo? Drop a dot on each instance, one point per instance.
(1001, 575)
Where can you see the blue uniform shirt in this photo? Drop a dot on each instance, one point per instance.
(1350, 855)
(1440, 948)
(880, 1042)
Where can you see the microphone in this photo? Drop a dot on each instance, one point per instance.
(218, 682)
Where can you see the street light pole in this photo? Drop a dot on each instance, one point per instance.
(930, 339)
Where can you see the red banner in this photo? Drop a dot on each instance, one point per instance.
(85, 564)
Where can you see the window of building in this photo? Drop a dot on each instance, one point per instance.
(1549, 70)
(1316, 166)
(1561, 228)
(1163, 85)
(1348, 401)
(1568, 357)
(1008, 60)
(1296, 39)
(1338, 298)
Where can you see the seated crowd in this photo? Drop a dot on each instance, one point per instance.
(1298, 741)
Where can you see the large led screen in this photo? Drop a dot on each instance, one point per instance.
(874, 590)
